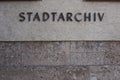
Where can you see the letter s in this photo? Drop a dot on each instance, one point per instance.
(22, 17)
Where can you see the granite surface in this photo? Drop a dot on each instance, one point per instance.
(80, 60)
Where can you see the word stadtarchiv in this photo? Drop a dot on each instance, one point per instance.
(61, 16)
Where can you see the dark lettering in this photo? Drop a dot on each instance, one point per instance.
(61, 17)
(87, 17)
(94, 17)
(45, 16)
(36, 17)
(69, 16)
(76, 17)
(22, 18)
(100, 16)
(29, 16)
(53, 16)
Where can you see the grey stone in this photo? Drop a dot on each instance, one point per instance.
(112, 54)
(49, 73)
(117, 72)
(59, 53)
(13, 30)
(10, 54)
(102, 72)
(45, 53)
(87, 58)
(105, 72)
(59, 60)
(88, 47)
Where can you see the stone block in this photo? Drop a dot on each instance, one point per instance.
(46, 53)
(88, 46)
(48, 73)
(10, 54)
(87, 58)
(102, 73)
(112, 55)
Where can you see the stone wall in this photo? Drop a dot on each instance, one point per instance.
(80, 60)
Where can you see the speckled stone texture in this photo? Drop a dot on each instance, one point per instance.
(80, 60)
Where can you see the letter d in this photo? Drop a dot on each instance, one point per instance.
(45, 16)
